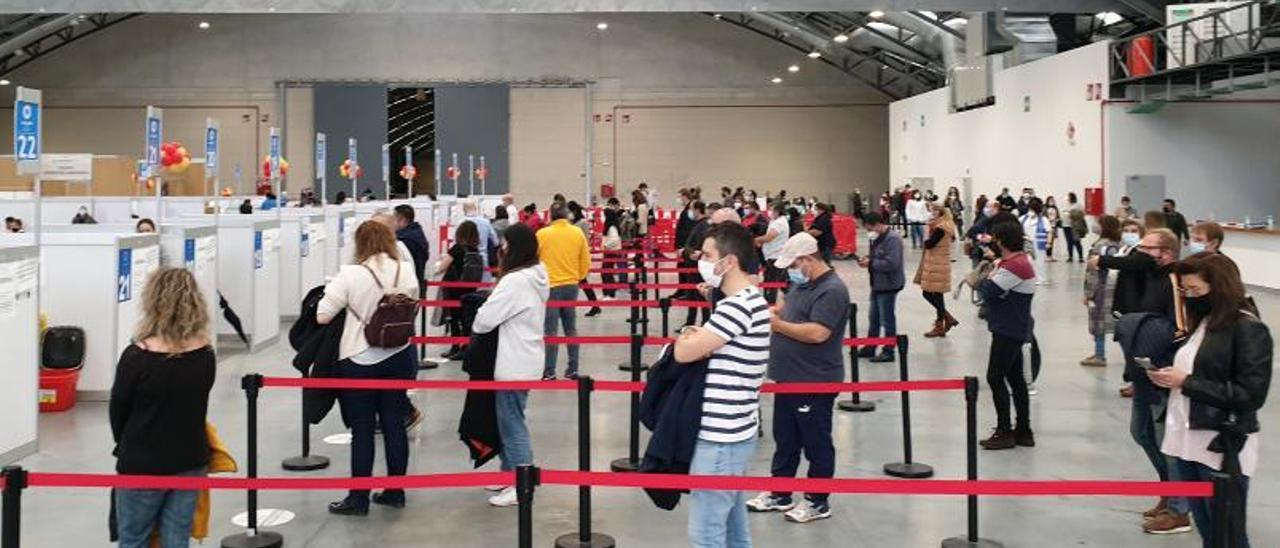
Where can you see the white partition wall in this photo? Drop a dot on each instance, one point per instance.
(94, 280)
(337, 221)
(302, 261)
(248, 276)
(195, 248)
(19, 337)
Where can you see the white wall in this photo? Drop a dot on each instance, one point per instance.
(548, 136)
(1001, 145)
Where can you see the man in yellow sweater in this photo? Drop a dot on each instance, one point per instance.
(563, 251)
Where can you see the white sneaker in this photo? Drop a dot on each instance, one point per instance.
(1031, 389)
(766, 502)
(504, 499)
(807, 512)
(608, 299)
(495, 488)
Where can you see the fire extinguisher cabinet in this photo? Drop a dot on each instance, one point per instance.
(1094, 203)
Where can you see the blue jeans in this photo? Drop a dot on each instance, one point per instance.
(516, 447)
(1202, 508)
(364, 410)
(883, 305)
(917, 234)
(567, 317)
(718, 519)
(1146, 426)
(1100, 346)
(141, 511)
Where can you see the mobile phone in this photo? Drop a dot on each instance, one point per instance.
(1145, 363)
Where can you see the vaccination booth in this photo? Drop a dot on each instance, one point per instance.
(20, 339)
(248, 260)
(302, 257)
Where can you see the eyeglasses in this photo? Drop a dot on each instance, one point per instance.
(1152, 247)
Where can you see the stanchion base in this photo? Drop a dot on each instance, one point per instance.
(627, 367)
(857, 406)
(964, 542)
(572, 540)
(624, 465)
(264, 539)
(908, 470)
(305, 463)
(427, 364)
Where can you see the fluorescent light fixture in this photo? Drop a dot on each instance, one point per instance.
(204, 25)
(815, 54)
(4, 82)
(1109, 17)
(602, 26)
(776, 80)
(793, 68)
(841, 38)
(876, 14)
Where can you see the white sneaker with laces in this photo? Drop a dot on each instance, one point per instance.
(766, 502)
(504, 499)
(806, 512)
(495, 488)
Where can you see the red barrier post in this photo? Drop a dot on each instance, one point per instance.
(252, 537)
(855, 403)
(971, 538)
(584, 538)
(908, 468)
(527, 480)
(15, 480)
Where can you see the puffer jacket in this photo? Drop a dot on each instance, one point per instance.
(934, 273)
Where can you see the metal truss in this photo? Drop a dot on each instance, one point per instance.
(49, 34)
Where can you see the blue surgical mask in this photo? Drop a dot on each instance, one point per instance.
(797, 276)
(1130, 238)
(1196, 247)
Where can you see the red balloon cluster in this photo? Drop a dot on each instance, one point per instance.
(266, 167)
(174, 157)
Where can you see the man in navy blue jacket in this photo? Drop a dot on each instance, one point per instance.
(884, 264)
(410, 232)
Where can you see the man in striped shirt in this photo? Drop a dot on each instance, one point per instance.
(736, 342)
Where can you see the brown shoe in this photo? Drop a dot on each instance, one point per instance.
(1000, 439)
(950, 320)
(939, 330)
(1159, 509)
(1126, 391)
(1167, 523)
(1094, 361)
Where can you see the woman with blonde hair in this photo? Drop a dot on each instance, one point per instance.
(358, 289)
(159, 402)
(934, 273)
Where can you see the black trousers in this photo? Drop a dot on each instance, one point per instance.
(365, 409)
(802, 423)
(1073, 243)
(773, 274)
(1005, 378)
(938, 303)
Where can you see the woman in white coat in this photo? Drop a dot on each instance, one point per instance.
(516, 308)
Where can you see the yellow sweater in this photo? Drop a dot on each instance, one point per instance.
(563, 250)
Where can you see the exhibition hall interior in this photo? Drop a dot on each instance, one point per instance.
(597, 273)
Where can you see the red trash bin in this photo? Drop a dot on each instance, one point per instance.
(58, 389)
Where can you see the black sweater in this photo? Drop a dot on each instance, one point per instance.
(158, 407)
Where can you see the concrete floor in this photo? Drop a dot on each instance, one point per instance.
(1080, 422)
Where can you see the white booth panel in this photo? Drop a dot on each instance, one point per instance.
(302, 265)
(337, 222)
(248, 266)
(19, 337)
(94, 280)
(195, 248)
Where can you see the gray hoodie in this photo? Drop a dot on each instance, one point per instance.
(517, 308)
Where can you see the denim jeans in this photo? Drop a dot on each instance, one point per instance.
(516, 447)
(917, 234)
(1146, 426)
(718, 519)
(883, 305)
(569, 319)
(365, 409)
(141, 511)
(1202, 508)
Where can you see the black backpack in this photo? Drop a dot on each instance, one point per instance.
(391, 324)
(472, 267)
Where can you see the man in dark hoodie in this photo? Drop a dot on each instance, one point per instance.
(411, 234)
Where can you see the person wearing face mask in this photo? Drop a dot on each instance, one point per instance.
(823, 230)
(979, 235)
(1037, 228)
(934, 273)
(1075, 228)
(1007, 292)
(1099, 290)
(806, 346)
(771, 244)
(884, 264)
(917, 217)
(1206, 236)
(1153, 260)
(1218, 382)
(690, 254)
(1175, 221)
(82, 217)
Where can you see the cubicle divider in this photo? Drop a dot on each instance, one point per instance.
(193, 245)
(302, 262)
(249, 276)
(19, 337)
(337, 223)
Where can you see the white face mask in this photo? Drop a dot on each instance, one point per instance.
(1196, 247)
(707, 269)
(1130, 238)
(871, 234)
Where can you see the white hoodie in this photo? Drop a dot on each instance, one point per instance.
(517, 307)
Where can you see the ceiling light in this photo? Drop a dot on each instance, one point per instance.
(793, 68)
(204, 25)
(271, 9)
(815, 54)
(776, 80)
(4, 82)
(602, 26)
(876, 14)
(1109, 17)
(841, 38)
(718, 16)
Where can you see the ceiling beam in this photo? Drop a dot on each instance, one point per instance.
(937, 23)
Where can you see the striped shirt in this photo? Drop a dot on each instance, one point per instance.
(731, 401)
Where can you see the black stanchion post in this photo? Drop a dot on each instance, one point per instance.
(585, 537)
(635, 322)
(855, 404)
(971, 538)
(631, 462)
(15, 480)
(252, 537)
(423, 363)
(908, 468)
(665, 304)
(306, 462)
(527, 480)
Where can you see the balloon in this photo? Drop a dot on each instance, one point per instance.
(174, 157)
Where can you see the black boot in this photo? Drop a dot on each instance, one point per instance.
(1024, 437)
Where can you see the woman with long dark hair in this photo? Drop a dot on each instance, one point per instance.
(1100, 288)
(451, 268)
(517, 309)
(1218, 382)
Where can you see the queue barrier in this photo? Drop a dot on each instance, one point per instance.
(527, 478)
